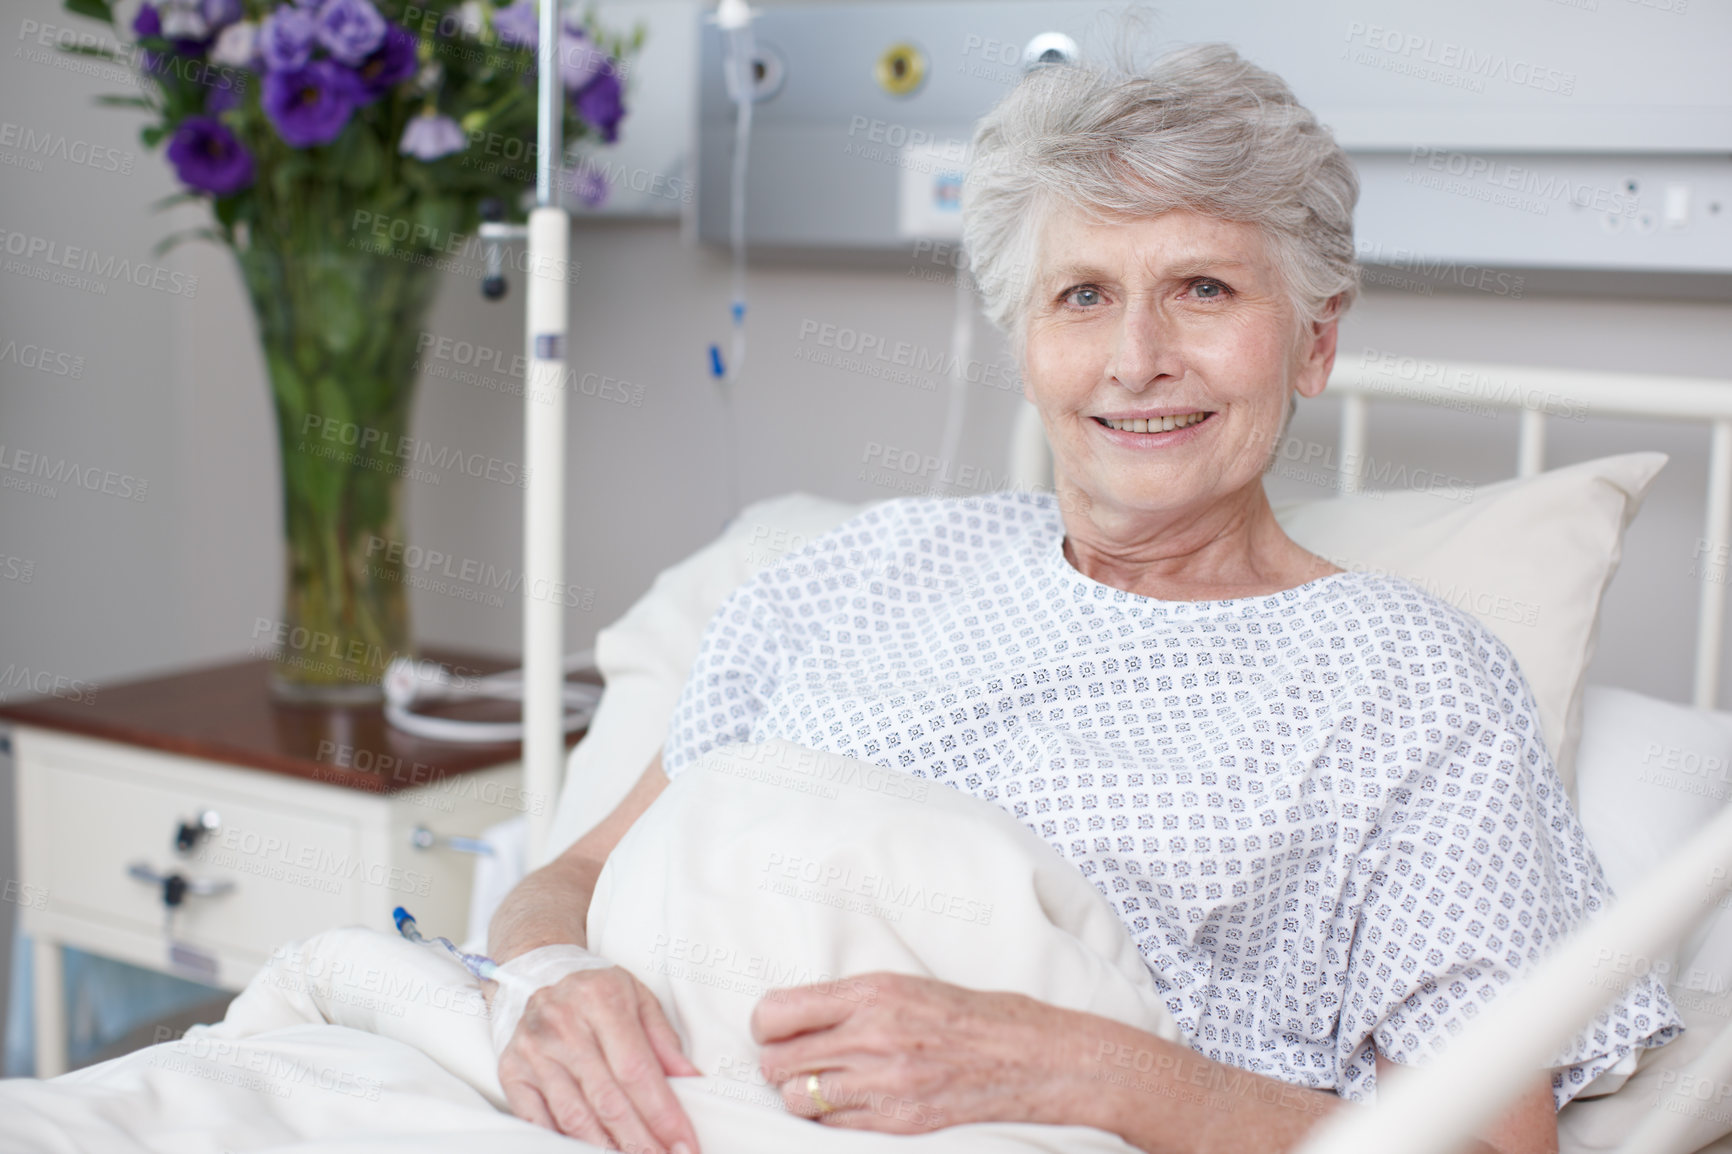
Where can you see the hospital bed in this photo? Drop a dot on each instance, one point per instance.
(1530, 557)
(1626, 752)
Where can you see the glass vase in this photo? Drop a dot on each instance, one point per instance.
(339, 330)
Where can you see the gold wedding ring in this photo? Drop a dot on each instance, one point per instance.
(817, 1098)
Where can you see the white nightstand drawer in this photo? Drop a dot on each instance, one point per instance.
(303, 841)
(292, 875)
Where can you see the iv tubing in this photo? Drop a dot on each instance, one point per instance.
(740, 58)
(734, 18)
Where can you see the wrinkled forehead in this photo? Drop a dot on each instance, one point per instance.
(1075, 243)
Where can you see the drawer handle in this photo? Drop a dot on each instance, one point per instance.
(176, 886)
(423, 838)
(188, 833)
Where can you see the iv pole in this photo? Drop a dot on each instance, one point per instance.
(546, 315)
(544, 410)
(544, 406)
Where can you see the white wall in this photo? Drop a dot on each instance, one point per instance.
(172, 391)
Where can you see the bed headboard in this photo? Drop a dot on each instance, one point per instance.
(1535, 393)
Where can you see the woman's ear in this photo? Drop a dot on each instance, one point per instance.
(1317, 352)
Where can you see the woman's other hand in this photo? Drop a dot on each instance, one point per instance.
(591, 1058)
(906, 1055)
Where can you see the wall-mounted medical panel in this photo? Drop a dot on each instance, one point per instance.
(1574, 211)
(1594, 134)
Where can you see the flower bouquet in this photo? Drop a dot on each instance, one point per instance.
(346, 149)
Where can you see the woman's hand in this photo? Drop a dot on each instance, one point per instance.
(916, 1055)
(591, 1058)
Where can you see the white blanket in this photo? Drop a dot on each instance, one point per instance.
(765, 866)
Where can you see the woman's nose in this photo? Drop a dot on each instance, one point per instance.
(1147, 350)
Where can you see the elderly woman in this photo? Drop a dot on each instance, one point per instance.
(1319, 800)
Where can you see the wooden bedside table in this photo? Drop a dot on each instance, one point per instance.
(262, 822)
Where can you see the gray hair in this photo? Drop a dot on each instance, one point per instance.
(1202, 129)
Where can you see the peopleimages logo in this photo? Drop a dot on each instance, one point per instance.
(130, 65)
(448, 357)
(1458, 60)
(41, 144)
(467, 577)
(1480, 278)
(42, 359)
(368, 443)
(1420, 379)
(913, 471)
(873, 350)
(51, 471)
(43, 683)
(1529, 189)
(75, 259)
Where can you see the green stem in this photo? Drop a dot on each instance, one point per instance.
(338, 326)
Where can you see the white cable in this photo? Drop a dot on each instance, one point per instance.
(456, 731)
(407, 683)
(961, 348)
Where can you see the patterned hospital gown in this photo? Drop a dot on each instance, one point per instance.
(1326, 816)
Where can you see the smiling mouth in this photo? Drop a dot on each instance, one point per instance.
(1155, 424)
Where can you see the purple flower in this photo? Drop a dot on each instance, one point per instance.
(392, 64)
(147, 25)
(218, 99)
(208, 157)
(590, 185)
(182, 20)
(600, 103)
(430, 136)
(350, 30)
(237, 45)
(311, 105)
(219, 14)
(148, 22)
(518, 24)
(579, 58)
(286, 38)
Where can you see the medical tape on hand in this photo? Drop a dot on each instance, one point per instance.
(523, 975)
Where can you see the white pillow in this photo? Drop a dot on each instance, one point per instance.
(645, 655)
(1530, 558)
(1551, 542)
(1649, 774)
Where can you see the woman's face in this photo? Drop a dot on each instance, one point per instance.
(1179, 321)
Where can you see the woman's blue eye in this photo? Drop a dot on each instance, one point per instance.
(1074, 293)
(1209, 290)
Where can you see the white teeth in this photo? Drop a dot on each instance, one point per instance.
(1157, 424)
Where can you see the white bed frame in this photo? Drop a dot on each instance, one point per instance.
(1601, 394)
